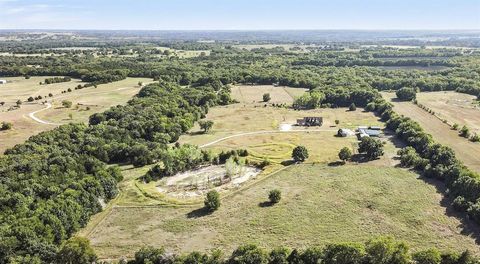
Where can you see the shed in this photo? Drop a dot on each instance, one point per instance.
(3, 81)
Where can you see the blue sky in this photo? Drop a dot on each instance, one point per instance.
(239, 14)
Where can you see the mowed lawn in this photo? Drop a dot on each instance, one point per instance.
(320, 204)
(85, 102)
(466, 151)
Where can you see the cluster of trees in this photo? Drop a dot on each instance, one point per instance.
(406, 94)
(376, 251)
(56, 80)
(54, 182)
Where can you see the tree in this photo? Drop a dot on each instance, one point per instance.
(337, 122)
(212, 201)
(18, 102)
(373, 148)
(50, 95)
(76, 250)
(352, 107)
(30, 99)
(66, 103)
(406, 94)
(266, 97)
(300, 154)
(140, 84)
(274, 196)
(206, 125)
(345, 154)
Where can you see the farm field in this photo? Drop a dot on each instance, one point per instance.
(440, 131)
(459, 108)
(320, 204)
(96, 99)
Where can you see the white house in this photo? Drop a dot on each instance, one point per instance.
(3, 81)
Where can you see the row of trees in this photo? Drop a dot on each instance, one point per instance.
(380, 250)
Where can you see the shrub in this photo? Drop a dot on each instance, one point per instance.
(6, 126)
(345, 154)
(455, 126)
(212, 201)
(464, 132)
(337, 122)
(300, 154)
(66, 103)
(475, 138)
(266, 97)
(274, 196)
(30, 99)
(352, 107)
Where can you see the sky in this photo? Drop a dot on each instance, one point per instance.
(240, 14)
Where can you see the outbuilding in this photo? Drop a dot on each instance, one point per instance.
(3, 81)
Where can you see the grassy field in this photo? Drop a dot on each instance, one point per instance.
(441, 132)
(459, 108)
(320, 204)
(322, 201)
(96, 99)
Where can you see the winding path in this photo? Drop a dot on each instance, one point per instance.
(32, 116)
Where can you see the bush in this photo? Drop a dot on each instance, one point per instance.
(464, 132)
(66, 103)
(274, 196)
(30, 99)
(475, 138)
(6, 126)
(212, 201)
(300, 154)
(345, 154)
(266, 97)
(352, 107)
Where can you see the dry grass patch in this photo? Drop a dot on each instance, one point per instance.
(320, 205)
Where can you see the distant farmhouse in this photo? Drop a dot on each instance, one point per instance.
(310, 121)
(3, 81)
